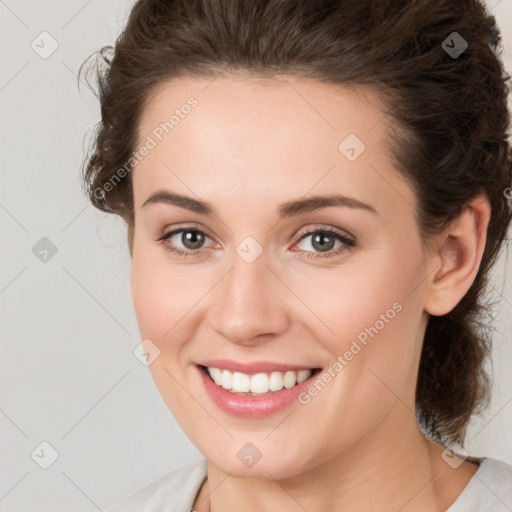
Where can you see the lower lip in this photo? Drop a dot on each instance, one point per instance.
(248, 406)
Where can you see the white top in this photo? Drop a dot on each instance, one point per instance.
(489, 490)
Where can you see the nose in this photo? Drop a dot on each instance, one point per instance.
(250, 304)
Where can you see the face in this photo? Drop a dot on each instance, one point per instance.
(310, 309)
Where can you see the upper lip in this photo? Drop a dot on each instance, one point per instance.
(254, 367)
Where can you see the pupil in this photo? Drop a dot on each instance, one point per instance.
(192, 239)
(323, 246)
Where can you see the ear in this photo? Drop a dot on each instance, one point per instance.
(456, 257)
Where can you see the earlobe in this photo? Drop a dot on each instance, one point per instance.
(457, 257)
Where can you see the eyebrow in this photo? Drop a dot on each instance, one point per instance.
(288, 209)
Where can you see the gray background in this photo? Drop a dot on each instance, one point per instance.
(69, 376)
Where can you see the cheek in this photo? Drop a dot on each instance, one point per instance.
(161, 300)
(162, 293)
(357, 295)
(365, 312)
(152, 299)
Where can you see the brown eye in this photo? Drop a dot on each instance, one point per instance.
(192, 239)
(324, 241)
(185, 241)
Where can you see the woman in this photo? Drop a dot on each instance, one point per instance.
(314, 193)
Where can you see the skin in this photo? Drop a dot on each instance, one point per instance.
(249, 146)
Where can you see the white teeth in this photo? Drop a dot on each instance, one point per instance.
(216, 375)
(259, 383)
(241, 382)
(275, 383)
(227, 379)
(302, 375)
(290, 378)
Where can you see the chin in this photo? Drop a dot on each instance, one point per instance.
(243, 458)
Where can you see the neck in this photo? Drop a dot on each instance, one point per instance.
(389, 470)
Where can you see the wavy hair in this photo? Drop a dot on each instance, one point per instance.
(450, 126)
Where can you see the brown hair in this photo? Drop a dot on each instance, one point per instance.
(449, 112)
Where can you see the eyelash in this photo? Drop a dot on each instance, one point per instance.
(347, 243)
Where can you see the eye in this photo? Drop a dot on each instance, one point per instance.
(321, 244)
(323, 241)
(190, 238)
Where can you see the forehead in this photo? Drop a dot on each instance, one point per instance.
(302, 108)
(264, 136)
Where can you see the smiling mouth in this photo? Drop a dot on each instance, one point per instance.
(259, 383)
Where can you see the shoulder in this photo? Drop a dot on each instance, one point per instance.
(173, 491)
(490, 489)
